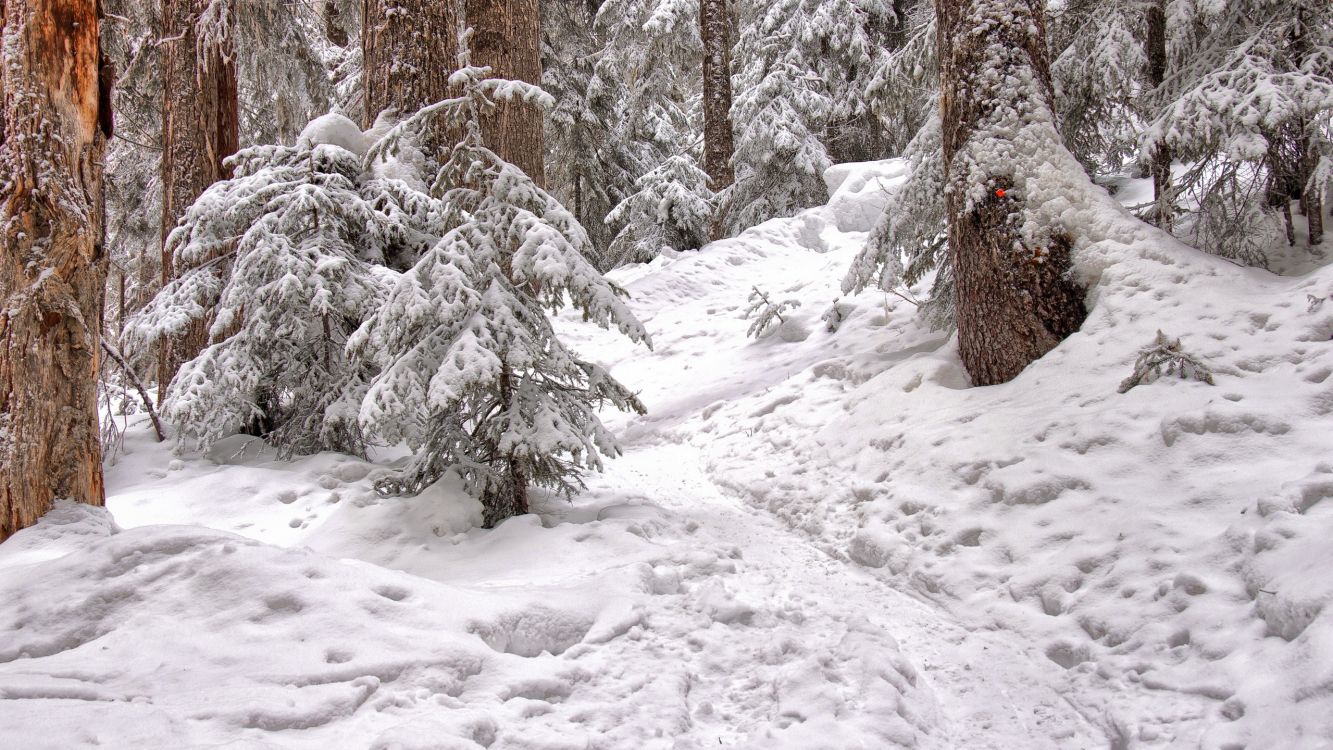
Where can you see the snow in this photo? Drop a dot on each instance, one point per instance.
(335, 130)
(819, 540)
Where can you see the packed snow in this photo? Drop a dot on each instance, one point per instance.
(819, 538)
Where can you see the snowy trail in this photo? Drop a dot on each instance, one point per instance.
(973, 688)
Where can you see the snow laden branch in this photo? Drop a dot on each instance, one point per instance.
(282, 262)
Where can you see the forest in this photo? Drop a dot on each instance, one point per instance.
(666, 374)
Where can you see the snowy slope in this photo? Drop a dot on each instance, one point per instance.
(819, 539)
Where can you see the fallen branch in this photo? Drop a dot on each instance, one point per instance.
(138, 386)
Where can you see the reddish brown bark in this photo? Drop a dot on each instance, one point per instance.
(200, 128)
(52, 136)
(409, 48)
(507, 37)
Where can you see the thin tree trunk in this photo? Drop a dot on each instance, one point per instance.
(409, 48)
(507, 37)
(1307, 154)
(200, 128)
(719, 140)
(1013, 302)
(508, 497)
(53, 131)
(1160, 166)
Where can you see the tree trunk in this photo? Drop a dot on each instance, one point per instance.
(1013, 301)
(719, 140)
(200, 128)
(507, 37)
(54, 122)
(507, 497)
(409, 48)
(1160, 166)
(1307, 152)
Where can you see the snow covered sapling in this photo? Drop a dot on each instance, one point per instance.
(284, 260)
(473, 376)
(765, 311)
(672, 208)
(1165, 357)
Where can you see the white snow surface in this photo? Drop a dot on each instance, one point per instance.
(817, 539)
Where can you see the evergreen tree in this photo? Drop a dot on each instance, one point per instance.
(288, 257)
(1249, 102)
(1014, 299)
(807, 70)
(672, 208)
(472, 375)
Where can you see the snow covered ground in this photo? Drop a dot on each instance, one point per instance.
(817, 539)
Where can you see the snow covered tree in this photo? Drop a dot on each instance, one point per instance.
(55, 117)
(779, 155)
(472, 375)
(281, 82)
(1248, 100)
(639, 106)
(1099, 72)
(672, 208)
(1014, 299)
(286, 259)
(807, 72)
(589, 168)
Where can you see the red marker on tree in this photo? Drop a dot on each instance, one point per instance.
(999, 192)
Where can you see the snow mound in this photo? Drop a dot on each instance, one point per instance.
(334, 129)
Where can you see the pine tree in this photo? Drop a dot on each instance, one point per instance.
(472, 374)
(288, 258)
(1248, 99)
(1014, 299)
(807, 74)
(55, 117)
(673, 208)
(589, 167)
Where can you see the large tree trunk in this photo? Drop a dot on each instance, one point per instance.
(719, 140)
(409, 48)
(1014, 299)
(54, 121)
(200, 128)
(1160, 166)
(507, 37)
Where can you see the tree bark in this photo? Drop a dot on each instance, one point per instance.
(1013, 302)
(1160, 166)
(507, 37)
(53, 132)
(200, 128)
(409, 48)
(1307, 153)
(719, 139)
